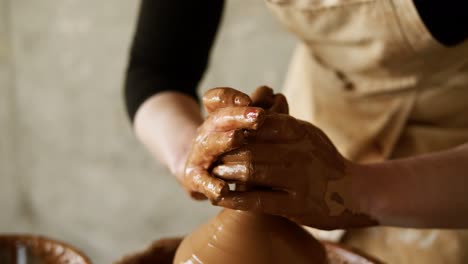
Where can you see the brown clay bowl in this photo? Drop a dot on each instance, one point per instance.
(26, 249)
(163, 251)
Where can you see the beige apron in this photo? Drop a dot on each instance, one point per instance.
(371, 76)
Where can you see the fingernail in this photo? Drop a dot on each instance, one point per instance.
(252, 113)
(242, 100)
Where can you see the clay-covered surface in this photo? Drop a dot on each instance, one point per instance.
(160, 252)
(163, 251)
(250, 238)
(17, 249)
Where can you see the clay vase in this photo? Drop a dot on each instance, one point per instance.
(17, 249)
(247, 237)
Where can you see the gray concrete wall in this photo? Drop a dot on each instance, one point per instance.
(70, 166)
(9, 192)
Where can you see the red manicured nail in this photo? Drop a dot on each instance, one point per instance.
(252, 113)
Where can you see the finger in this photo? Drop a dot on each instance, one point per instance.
(222, 97)
(197, 196)
(237, 156)
(263, 97)
(281, 154)
(200, 181)
(279, 128)
(255, 174)
(271, 202)
(280, 104)
(207, 147)
(232, 118)
(232, 173)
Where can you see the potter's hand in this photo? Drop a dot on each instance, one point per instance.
(223, 130)
(160, 252)
(265, 98)
(291, 169)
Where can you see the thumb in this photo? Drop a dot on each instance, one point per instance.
(222, 97)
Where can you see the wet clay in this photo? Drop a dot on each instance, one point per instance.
(234, 237)
(160, 252)
(163, 251)
(253, 238)
(38, 250)
(282, 167)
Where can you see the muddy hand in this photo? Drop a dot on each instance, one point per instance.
(222, 97)
(265, 98)
(223, 131)
(292, 170)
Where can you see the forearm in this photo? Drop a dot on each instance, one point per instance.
(423, 191)
(159, 58)
(166, 124)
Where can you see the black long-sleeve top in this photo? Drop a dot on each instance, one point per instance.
(173, 39)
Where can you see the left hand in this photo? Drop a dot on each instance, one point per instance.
(222, 131)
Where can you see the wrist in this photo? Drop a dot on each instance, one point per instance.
(343, 192)
(358, 175)
(178, 157)
(381, 190)
(166, 124)
(347, 198)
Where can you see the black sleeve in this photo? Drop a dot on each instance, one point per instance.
(170, 48)
(447, 20)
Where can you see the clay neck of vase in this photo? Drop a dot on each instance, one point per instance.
(247, 220)
(238, 214)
